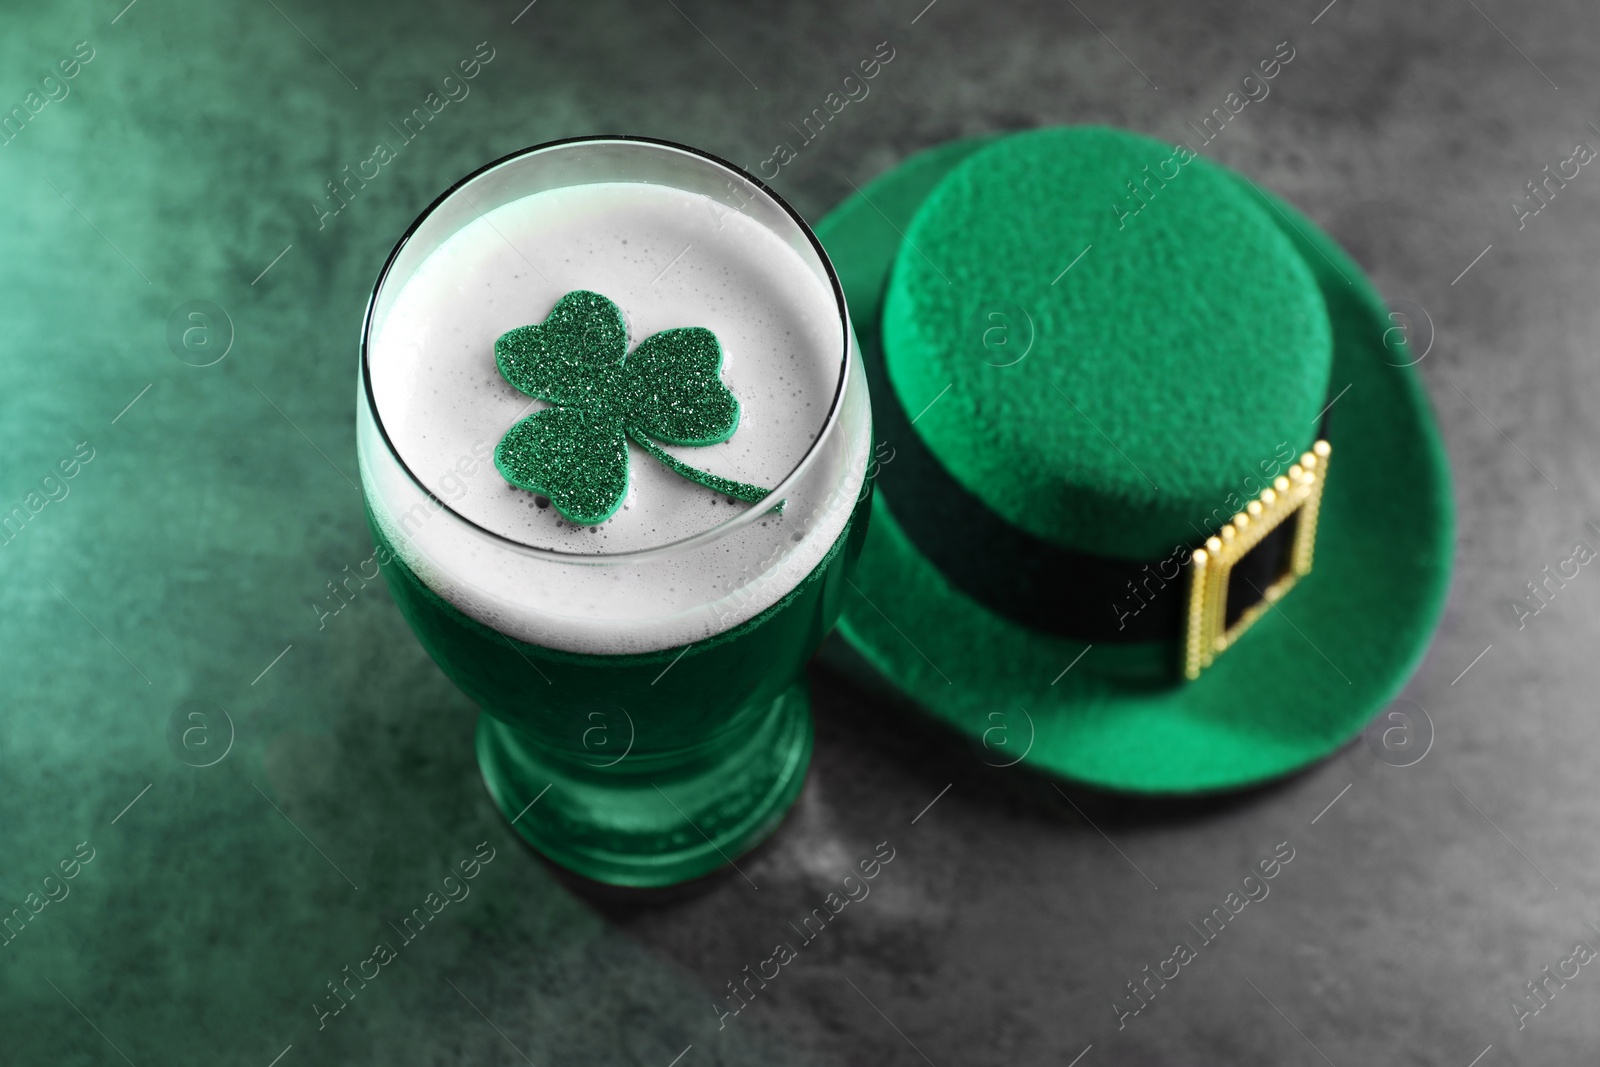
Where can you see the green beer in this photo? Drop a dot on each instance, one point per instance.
(640, 671)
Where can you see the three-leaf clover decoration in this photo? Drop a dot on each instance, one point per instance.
(576, 451)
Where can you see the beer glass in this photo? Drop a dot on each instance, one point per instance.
(645, 716)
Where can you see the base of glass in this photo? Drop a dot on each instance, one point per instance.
(651, 822)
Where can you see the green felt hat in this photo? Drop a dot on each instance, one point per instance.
(1087, 351)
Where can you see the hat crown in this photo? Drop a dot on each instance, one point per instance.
(1106, 340)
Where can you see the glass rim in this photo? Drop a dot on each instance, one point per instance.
(755, 511)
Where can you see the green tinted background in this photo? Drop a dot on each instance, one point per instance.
(189, 551)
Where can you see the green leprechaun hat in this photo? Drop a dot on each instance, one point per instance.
(1160, 503)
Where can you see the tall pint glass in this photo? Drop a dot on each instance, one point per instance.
(645, 717)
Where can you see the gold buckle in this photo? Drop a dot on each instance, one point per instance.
(1205, 635)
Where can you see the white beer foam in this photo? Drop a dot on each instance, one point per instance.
(667, 258)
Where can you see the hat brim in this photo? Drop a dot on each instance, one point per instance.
(1300, 683)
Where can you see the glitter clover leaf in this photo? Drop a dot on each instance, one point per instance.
(576, 451)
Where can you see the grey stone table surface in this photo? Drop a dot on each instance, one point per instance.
(186, 159)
